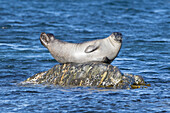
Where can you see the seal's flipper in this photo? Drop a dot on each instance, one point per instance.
(91, 48)
(107, 60)
(46, 38)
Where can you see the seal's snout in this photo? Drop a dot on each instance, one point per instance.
(46, 38)
(118, 36)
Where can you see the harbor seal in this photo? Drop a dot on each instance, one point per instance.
(101, 50)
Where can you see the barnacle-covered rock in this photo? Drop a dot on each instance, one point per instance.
(89, 74)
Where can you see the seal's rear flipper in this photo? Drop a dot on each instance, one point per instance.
(46, 38)
(91, 48)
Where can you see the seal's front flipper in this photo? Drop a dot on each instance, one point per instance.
(46, 38)
(91, 48)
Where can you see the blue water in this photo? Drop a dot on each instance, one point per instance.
(145, 25)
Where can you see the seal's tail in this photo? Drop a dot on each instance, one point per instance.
(45, 39)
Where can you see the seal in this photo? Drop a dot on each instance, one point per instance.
(101, 50)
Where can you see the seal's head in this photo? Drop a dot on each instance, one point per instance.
(116, 36)
(46, 38)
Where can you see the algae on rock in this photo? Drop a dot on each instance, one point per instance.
(89, 74)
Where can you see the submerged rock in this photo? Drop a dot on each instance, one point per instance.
(90, 74)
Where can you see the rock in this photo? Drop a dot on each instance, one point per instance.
(89, 74)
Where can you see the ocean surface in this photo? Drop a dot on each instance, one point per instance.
(145, 25)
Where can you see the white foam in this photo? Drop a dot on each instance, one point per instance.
(21, 47)
(126, 59)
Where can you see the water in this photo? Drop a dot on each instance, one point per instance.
(145, 26)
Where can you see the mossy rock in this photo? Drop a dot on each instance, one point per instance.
(88, 75)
